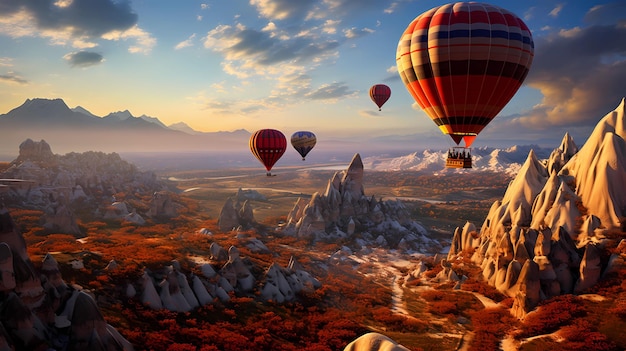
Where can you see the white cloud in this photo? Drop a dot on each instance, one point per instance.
(185, 43)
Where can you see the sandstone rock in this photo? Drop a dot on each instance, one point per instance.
(374, 342)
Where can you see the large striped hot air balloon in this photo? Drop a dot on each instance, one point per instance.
(380, 93)
(303, 142)
(463, 62)
(268, 145)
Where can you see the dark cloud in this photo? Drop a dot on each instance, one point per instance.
(91, 18)
(83, 58)
(610, 13)
(266, 49)
(330, 92)
(11, 77)
(580, 73)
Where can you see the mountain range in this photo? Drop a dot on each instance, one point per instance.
(77, 129)
(151, 144)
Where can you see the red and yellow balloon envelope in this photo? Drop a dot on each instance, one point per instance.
(303, 142)
(268, 145)
(380, 93)
(462, 63)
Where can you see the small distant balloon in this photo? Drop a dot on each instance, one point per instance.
(268, 145)
(380, 93)
(303, 142)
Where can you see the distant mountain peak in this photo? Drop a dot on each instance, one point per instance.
(120, 115)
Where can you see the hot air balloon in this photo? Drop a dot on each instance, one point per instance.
(303, 142)
(462, 63)
(268, 145)
(380, 93)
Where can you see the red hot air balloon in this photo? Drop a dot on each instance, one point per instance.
(380, 93)
(463, 62)
(268, 145)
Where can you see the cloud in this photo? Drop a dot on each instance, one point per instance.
(353, 33)
(331, 92)
(284, 9)
(555, 11)
(83, 59)
(79, 23)
(6, 62)
(185, 43)
(611, 13)
(12, 78)
(249, 51)
(579, 72)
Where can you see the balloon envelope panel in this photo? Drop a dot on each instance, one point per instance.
(463, 62)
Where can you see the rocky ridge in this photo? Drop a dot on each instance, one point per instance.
(58, 185)
(551, 232)
(344, 212)
(223, 273)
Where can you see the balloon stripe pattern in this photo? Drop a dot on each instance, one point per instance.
(380, 93)
(303, 142)
(463, 62)
(268, 145)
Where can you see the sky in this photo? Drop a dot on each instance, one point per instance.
(297, 65)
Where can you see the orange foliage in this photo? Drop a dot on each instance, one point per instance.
(490, 326)
(551, 315)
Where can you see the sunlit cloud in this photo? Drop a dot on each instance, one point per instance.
(555, 11)
(83, 59)
(77, 23)
(6, 62)
(144, 42)
(578, 74)
(353, 32)
(12, 78)
(283, 9)
(331, 92)
(185, 43)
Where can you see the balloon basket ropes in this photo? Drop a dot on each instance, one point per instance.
(459, 157)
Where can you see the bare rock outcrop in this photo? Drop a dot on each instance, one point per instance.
(236, 214)
(546, 237)
(343, 211)
(374, 342)
(60, 185)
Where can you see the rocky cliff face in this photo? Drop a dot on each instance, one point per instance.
(549, 234)
(38, 310)
(343, 211)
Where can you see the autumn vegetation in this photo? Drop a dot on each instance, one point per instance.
(350, 303)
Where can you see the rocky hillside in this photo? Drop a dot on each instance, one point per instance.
(101, 185)
(559, 227)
